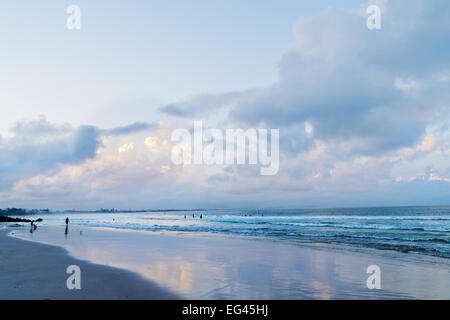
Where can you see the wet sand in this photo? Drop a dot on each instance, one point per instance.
(30, 270)
(213, 266)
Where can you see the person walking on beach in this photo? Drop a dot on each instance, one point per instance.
(201, 216)
(67, 227)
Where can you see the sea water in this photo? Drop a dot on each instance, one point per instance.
(415, 230)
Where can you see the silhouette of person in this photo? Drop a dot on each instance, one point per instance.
(67, 221)
(201, 216)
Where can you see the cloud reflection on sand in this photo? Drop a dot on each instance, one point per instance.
(219, 267)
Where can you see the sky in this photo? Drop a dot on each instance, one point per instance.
(87, 115)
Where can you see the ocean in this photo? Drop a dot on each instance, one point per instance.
(416, 230)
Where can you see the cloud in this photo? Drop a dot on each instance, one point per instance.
(435, 177)
(428, 144)
(39, 146)
(199, 105)
(132, 128)
(429, 174)
(126, 147)
(119, 173)
(375, 89)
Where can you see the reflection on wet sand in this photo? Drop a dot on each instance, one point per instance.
(218, 267)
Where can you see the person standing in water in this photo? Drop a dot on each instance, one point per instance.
(67, 221)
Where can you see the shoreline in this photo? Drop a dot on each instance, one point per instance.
(202, 266)
(34, 271)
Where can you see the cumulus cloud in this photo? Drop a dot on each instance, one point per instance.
(126, 147)
(39, 146)
(428, 144)
(429, 174)
(119, 173)
(350, 83)
(348, 102)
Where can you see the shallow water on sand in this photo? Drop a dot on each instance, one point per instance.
(215, 266)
